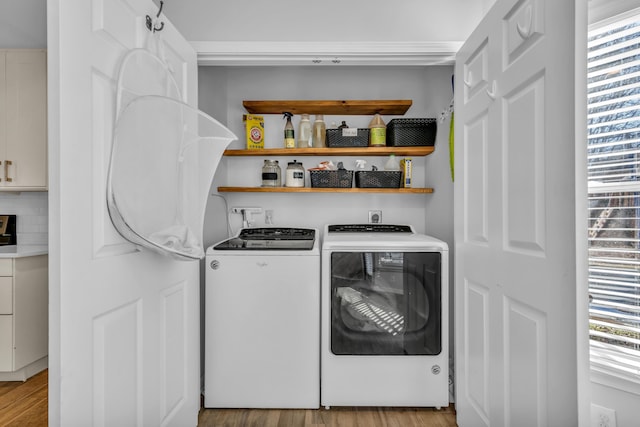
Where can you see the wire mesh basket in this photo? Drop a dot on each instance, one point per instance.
(378, 179)
(340, 178)
(349, 138)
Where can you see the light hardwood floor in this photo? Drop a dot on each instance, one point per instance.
(24, 404)
(334, 417)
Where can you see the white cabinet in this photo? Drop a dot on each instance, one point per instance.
(23, 311)
(23, 120)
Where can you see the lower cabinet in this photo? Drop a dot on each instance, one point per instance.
(24, 325)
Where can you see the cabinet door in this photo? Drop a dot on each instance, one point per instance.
(6, 343)
(6, 267)
(24, 159)
(31, 310)
(6, 295)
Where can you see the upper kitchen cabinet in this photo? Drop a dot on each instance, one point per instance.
(23, 120)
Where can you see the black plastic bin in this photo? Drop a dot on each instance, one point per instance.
(411, 132)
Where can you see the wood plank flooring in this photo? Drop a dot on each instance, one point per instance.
(24, 404)
(334, 417)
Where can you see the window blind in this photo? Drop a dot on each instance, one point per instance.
(613, 94)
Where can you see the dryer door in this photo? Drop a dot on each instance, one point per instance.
(386, 303)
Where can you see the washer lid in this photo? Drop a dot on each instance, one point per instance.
(277, 233)
(270, 238)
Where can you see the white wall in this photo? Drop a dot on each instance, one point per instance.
(23, 24)
(430, 90)
(626, 404)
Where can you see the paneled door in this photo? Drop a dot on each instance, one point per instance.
(124, 322)
(515, 216)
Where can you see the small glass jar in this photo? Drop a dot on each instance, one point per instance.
(271, 174)
(295, 175)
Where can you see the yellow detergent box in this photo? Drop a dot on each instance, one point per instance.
(405, 167)
(254, 129)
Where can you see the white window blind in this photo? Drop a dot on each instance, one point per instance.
(614, 198)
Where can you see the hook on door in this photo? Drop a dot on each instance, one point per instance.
(149, 21)
(493, 92)
(468, 80)
(525, 30)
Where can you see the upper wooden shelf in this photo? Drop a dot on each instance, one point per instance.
(323, 190)
(346, 151)
(350, 107)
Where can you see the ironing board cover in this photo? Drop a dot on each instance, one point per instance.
(163, 158)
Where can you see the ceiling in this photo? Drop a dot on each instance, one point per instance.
(331, 32)
(329, 20)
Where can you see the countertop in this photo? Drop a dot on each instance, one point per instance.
(19, 251)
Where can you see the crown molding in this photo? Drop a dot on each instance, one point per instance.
(261, 53)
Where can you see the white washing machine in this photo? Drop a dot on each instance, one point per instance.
(262, 320)
(384, 317)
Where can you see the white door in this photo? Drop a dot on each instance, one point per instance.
(515, 216)
(124, 323)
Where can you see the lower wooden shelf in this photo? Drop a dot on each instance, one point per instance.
(323, 190)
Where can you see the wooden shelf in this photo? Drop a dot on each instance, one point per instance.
(324, 190)
(350, 107)
(348, 151)
(329, 107)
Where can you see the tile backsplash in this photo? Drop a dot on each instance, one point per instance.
(32, 210)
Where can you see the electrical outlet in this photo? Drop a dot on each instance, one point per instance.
(375, 217)
(602, 417)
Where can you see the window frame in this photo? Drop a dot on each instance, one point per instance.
(608, 15)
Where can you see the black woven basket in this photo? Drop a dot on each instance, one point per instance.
(411, 132)
(336, 138)
(378, 179)
(340, 178)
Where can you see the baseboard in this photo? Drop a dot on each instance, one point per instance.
(26, 372)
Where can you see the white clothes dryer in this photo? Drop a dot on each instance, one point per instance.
(262, 320)
(384, 317)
